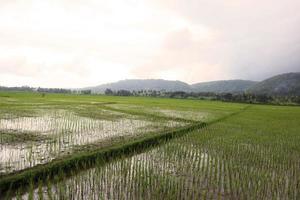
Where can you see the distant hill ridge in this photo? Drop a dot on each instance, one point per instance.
(223, 86)
(283, 84)
(143, 84)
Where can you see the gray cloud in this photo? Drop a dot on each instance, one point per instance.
(256, 39)
(194, 58)
(190, 40)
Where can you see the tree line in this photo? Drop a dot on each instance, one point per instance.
(45, 90)
(227, 97)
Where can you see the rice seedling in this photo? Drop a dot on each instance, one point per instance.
(242, 152)
(240, 157)
(57, 132)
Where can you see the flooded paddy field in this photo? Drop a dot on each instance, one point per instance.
(241, 152)
(231, 159)
(53, 133)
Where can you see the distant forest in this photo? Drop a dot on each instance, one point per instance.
(242, 97)
(45, 90)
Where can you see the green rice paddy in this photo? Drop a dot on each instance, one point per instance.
(102, 147)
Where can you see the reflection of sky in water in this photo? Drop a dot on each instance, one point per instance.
(66, 130)
(183, 114)
(126, 178)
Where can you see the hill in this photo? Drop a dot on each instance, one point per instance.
(284, 84)
(160, 84)
(280, 85)
(142, 84)
(224, 86)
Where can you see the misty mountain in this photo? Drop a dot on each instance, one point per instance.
(143, 84)
(224, 86)
(159, 84)
(284, 84)
(281, 85)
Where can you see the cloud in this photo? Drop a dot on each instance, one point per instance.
(93, 42)
(259, 38)
(16, 66)
(192, 52)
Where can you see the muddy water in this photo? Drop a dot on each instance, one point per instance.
(64, 130)
(190, 115)
(183, 114)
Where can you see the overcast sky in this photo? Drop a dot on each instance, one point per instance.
(77, 43)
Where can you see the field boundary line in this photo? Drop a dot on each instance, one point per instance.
(229, 115)
(84, 160)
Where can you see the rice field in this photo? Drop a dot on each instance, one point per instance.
(54, 133)
(241, 151)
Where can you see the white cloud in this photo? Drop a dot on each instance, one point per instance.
(74, 43)
(259, 38)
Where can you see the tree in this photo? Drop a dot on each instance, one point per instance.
(108, 92)
(123, 93)
(86, 92)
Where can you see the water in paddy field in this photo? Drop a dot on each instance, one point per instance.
(55, 133)
(156, 173)
(178, 169)
(183, 114)
(190, 115)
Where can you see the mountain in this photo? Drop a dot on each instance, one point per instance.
(159, 84)
(281, 85)
(224, 86)
(284, 84)
(143, 84)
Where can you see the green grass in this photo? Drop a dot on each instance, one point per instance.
(25, 104)
(16, 108)
(12, 137)
(85, 159)
(251, 154)
(239, 152)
